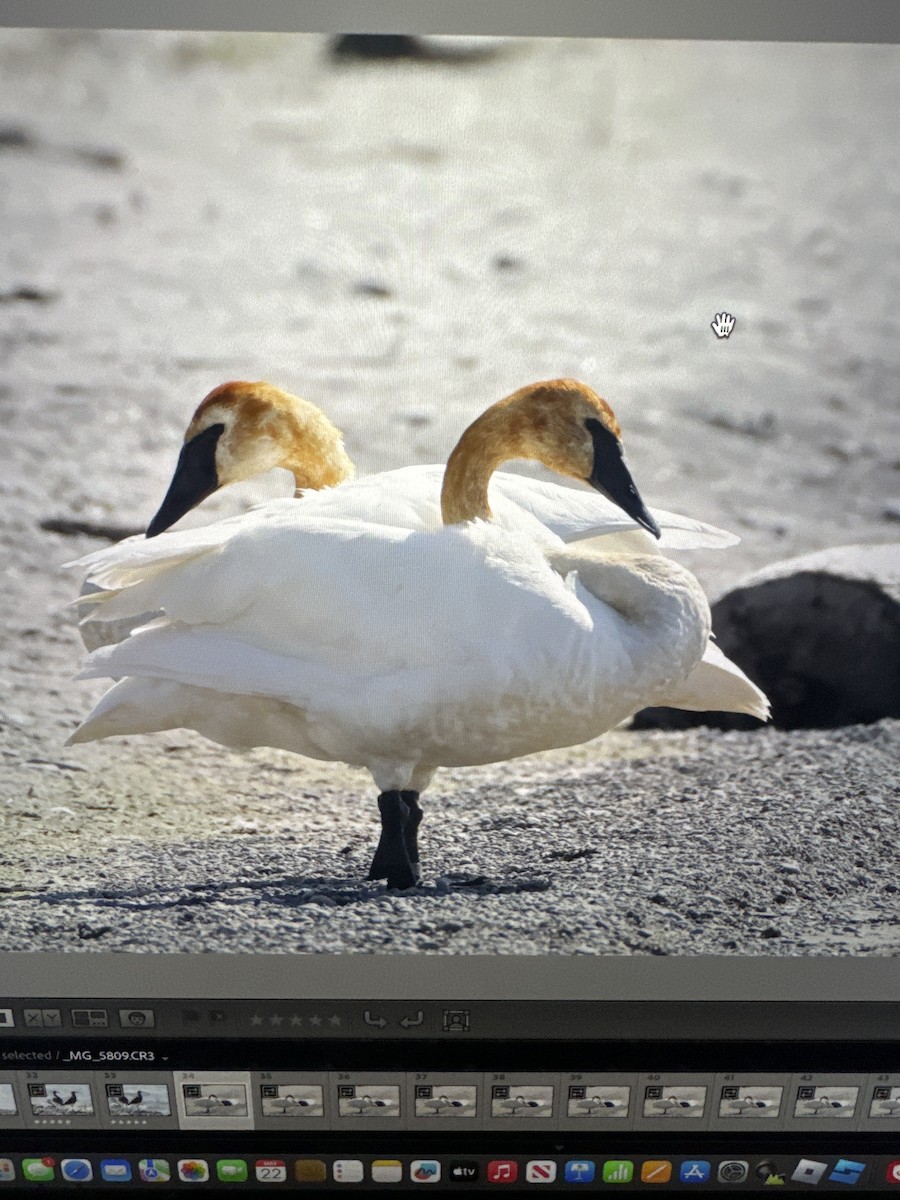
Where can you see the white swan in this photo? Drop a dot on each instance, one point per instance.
(313, 629)
(243, 429)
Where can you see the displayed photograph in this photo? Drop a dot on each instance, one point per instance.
(831, 1103)
(885, 1102)
(754, 1101)
(597, 1100)
(521, 1100)
(8, 1106)
(468, 475)
(678, 1101)
(138, 1099)
(215, 1099)
(291, 1100)
(446, 1100)
(368, 1100)
(60, 1100)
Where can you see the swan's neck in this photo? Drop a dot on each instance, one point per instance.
(541, 421)
(486, 444)
(316, 457)
(315, 475)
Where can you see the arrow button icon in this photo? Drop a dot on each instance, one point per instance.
(409, 1022)
(380, 1022)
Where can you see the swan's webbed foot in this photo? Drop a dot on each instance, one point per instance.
(397, 856)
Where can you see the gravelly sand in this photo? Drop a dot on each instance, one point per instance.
(403, 245)
(767, 843)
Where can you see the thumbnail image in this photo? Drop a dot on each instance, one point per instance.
(7, 1100)
(834, 1103)
(674, 1101)
(144, 1099)
(215, 1099)
(291, 1100)
(389, 440)
(368, 1100)
(885, 1102)
(752, 1101)
(446, 1100)
(521, 1100)
(60, 1099)
(597, 1100)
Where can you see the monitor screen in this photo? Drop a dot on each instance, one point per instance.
(622, 682)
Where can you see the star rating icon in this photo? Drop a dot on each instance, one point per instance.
(295, 1020)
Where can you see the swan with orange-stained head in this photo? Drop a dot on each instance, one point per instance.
(313, 627)
(243, 429)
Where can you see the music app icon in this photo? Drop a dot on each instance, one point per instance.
(502, 1170)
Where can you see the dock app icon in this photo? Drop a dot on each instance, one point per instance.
(580, 1170)
(540, 1170)
(462, 1170)
(808, 1170)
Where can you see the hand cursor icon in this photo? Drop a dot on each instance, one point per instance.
(722, 325)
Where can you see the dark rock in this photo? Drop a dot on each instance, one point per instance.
(761, 426)
(378, 45)
(391, 46)
(369, 287)
(98, 156)
(73, 527)
(28, 294)
(506, 262)
(14, 137)
(819, 634)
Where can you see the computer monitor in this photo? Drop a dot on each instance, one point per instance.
(660, 957)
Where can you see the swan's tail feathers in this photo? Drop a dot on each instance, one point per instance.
(716, 684)
(131, 706)
(240, 722)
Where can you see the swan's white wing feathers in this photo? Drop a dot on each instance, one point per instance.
(449, 642)
(574, 515)
(409, 497)
(356, 593)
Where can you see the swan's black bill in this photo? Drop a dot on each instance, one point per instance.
(195, 478)
(610, 475)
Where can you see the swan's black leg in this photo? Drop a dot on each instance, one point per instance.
(411, 830)
(391, 861)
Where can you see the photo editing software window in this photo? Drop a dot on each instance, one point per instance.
(450, 657)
